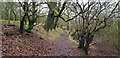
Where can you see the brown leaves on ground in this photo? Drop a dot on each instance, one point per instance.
(31, 44)
(27, 44)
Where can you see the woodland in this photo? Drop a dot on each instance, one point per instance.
(62, 28)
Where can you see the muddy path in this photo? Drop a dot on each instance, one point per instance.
(64, 46)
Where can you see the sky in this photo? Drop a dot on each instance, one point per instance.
(58, 0)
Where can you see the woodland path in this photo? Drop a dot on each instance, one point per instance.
(64, 46)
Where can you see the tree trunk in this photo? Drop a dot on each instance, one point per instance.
(86, 46)
(50, 21)
(55, 24)
(81, 43)
(84, 43)
(30, 26)
(88, 41)
(22, 24)
(34, 17)
(68, 28)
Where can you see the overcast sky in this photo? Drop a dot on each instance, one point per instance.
(59, 0)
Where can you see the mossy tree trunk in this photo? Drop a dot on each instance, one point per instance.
(22, 21)
(84, 42)
(81, 43)
(53, 15)
(50, 23)
(34, 17)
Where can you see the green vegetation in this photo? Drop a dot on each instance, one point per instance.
(11, 22)
(111, 34)
(52, 34)
(82, 21)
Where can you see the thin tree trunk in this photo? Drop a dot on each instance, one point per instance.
(88, 41)
(56, 22)
(81, 43)
(86, 46)
(32, 21)
(22, 24)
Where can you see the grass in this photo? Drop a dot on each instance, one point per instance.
(55, 33)
(11, 22)
(52, 34)
(111, 33)
(71, 38)
(74, 46)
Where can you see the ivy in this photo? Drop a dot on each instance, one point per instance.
(55, 12)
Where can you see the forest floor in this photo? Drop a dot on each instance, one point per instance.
(31, 44)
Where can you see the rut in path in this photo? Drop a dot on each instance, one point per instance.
(64, 46)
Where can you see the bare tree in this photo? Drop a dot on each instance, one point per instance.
(98, 16)
(25, 7)
(31, 14)
(56, 13)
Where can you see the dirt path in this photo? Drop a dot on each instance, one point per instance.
(64, 46)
